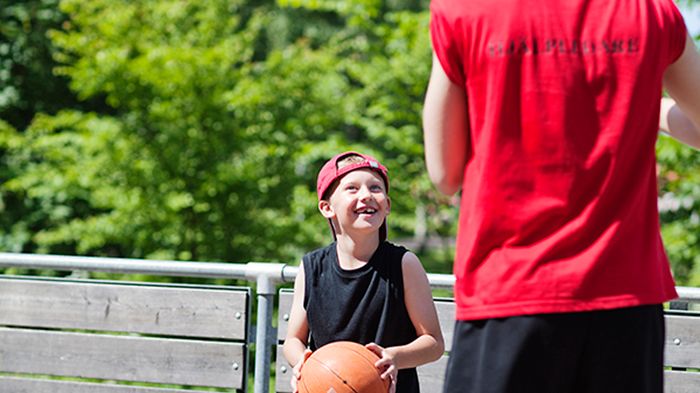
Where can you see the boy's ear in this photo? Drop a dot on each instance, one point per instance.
(325, 208)
(388, 200)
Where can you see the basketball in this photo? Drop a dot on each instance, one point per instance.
(345, 367)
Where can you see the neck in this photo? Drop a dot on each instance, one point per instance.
(354, 252)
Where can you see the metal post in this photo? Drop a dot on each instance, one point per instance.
(267, 275)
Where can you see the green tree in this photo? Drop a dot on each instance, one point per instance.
(221, 125)
(25, 60)
(679, 190)
(219, 115)
(28, 84)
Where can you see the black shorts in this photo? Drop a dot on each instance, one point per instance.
(612, 351)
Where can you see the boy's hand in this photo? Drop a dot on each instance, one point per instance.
(385, 364)
(296, 371)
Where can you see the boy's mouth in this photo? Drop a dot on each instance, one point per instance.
(366, 210)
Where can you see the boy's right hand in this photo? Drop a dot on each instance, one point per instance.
(296, 370)
(386, 364)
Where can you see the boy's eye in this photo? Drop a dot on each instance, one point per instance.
(376, 188)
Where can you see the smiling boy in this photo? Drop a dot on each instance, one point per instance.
(362, 288)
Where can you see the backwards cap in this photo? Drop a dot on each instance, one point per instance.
(330, 172)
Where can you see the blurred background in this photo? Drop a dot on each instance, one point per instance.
(194, 130)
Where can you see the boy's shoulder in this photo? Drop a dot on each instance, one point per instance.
(319, 253)
(396, 249)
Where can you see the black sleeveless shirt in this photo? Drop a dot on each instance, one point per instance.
(362, 305)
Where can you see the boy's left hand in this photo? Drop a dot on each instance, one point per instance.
(296, 371)
(385, 363)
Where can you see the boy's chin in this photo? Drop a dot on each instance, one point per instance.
(367, 229)
(366, 222)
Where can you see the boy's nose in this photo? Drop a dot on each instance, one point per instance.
(364, 193)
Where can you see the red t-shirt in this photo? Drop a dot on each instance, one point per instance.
(559, 200)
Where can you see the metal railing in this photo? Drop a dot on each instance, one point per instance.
(267, 277)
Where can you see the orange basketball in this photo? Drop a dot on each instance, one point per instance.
(345, 367)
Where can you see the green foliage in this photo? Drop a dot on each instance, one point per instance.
(219, 127)
(189, 181)
(25, 61)
(679, 188)
(202, 125)
(27, 82)
(65, 184)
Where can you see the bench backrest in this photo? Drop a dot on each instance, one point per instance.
(682, 355)
(146, 334)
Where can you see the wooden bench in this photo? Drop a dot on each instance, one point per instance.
(87, 336)
(682, 355)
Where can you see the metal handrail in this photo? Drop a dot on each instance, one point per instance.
(125, 265)
(688, 294)
(266, 275)
(243, 271)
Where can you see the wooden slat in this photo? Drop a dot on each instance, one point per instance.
(681, 382)
(683, 341)
(285, 305)
(144, 359)
(283, 373)
(26, 385)
(167, 310)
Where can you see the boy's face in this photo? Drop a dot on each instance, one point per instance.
(359, 203)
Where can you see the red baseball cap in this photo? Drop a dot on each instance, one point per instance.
(330, 172)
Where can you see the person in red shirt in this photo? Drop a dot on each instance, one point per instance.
(545, 115)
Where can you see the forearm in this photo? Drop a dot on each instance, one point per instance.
(443, 159)
(676, 123)
(293, 350)
(680, 114)
(422, 350)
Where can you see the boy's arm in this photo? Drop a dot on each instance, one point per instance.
(445, 130)
(680, 116)
(429, 345)
(294, 347)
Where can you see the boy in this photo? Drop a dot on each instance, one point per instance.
(361, 288)
(545, 113)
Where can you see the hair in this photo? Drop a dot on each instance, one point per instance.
(348, 160)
